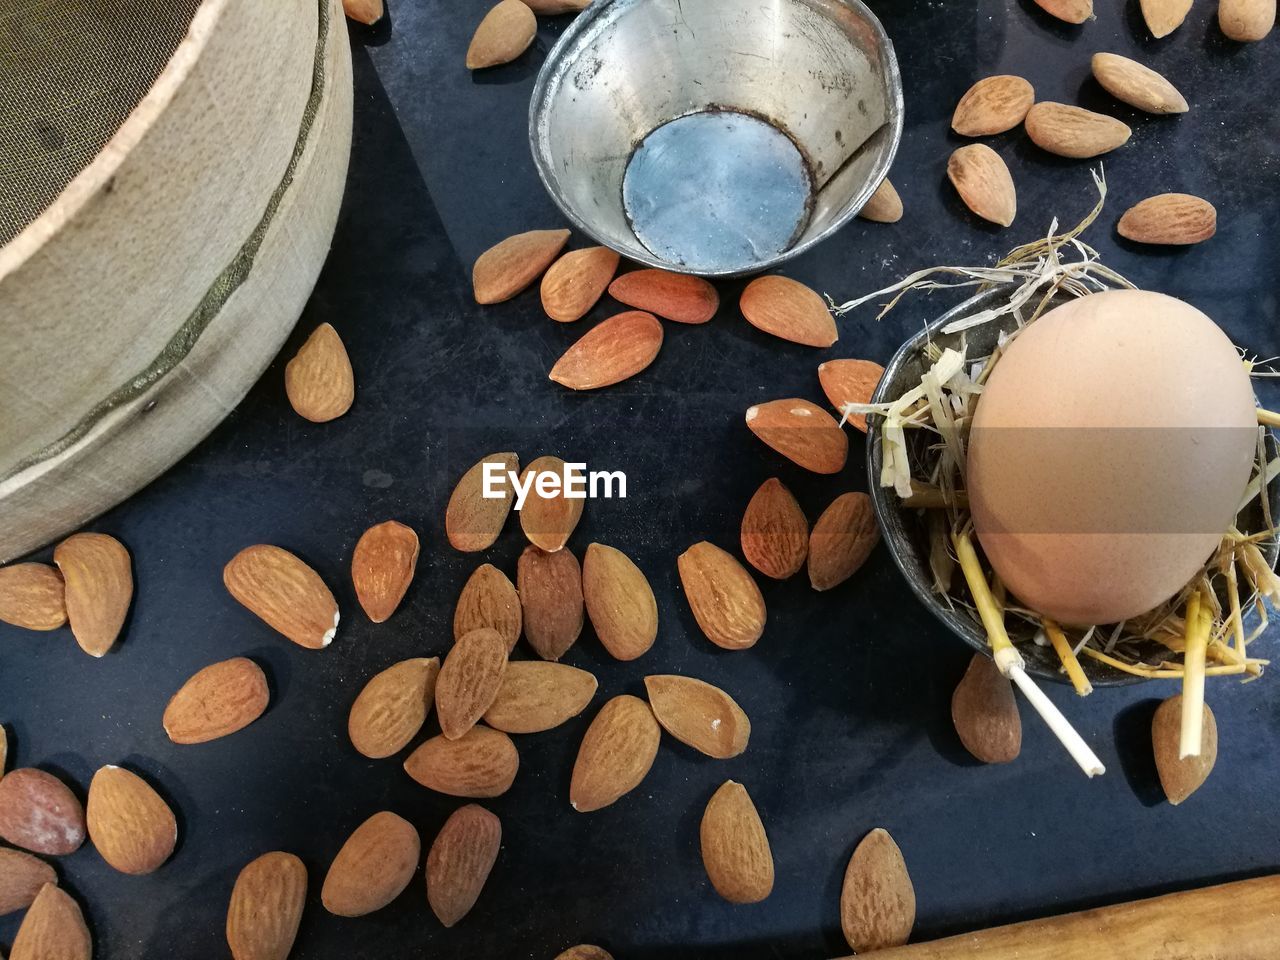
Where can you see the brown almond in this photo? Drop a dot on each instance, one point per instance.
(1181, 777)
(39, 813)
(842, 539)
(393, 706)
(993, 105)
(878, 900)
(32, 596)
(318, 380)
(585, 951)
(1164, 16)
(551, 599)
(616, 753)
(507, 268)
(1169, 219)
(673, 296)
(699, 715)
(985, 713)
(619, 602)
(1068, 11)
(460, 860)
(789, 310)
(850, 381)
(724, 598)
(373, 867)
(1246, 21)
(775, 533)
(551, 8)
(266, 907)
(610, 352)
(883, 206)
(505, 32)
(284, 593)
(21, 877)
(472, 521)
(98, 578)
(382, 567)
(802, 432)
(489, 599)
(217, 701)
(4, 749)
(577, 280)
(53, 929)
(129, 823)
(1070, 131)
(480, 763)
(537, 695)
(548, 520)
(469, 680)
(1137, 85)
(735, 847)
(983, 181)
(367, 12)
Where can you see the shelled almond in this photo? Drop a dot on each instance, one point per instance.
(884, 205)
(985, 713)
(373, 867)
(1137, 85)
(469, 680)
(130, 824)
(576, 281)
(1169, 219)
(1182, 776)
(217, 701)
(505, 32)
(699, 714)
(551, 600)
(1246, 21)
(984, 183)
(538, 695)
(382, 567)
(619, 602)
(802, 432)
(724, 598)
(460, 860)
(850, 381)
(735, 847)
(472, 521)
(393, 706)
(877, 900)
(672, 296)
(319, 381)
(21, 878)
(615, 755)
(1071, 131)
(507, 268)
(266, 907)
(1068, 11)
(612, 351)
(1164, 16)
(481, 763)
(284, 593)
(775, 532)
(98, 576)
(993, 105)
(789, 310)
(38, 812)
(489, 599)
(53, 929)
(32, 596)
(548, 520)
(841, 541)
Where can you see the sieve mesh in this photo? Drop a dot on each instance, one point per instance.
(71, 72)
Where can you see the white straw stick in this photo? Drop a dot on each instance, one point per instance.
(1059, 724)
(1199, 624)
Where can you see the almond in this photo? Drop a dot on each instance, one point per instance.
(802, 432)
(775, 533)
(617, 751)
(1246, 21)
(878, 900)
(725, 600)
(98, 578)
(460, 860)
(367, 12)
(551, 599)
(537, 695)
(472, 521)
(1169, 219)
(993, 105)
(549, 520)
(984, 183)
(1068, 11)
(505, 32)
(883, 206)
(505, 269)
(788, 309)
(610, 352)
(373, 867)
(735, 848)
(393, 706)
(1182, 777)
(284, 593)
(382, 567)
(53, 929)
(842, 539)
(39, 813)
(1164, 16)
(469, 680)
(266, 907)
(318, 380)
(4, 749)
(985, 713)
(21, 877)
(850, 381)
(480, 763)
(585, 951)
(1070, 131)
(551, 8)
(1139, 86)
(129, 823)
(32, 596)
(577, 280)
(619, 602)
(673, 296)
(217, 701)
(699, 715)
(489, 599)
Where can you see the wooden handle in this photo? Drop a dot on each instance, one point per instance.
(1233, 921)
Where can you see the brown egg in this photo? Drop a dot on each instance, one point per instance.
(1109, 452)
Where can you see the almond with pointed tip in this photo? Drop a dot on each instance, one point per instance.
(1246, 21)
(775, 532)
(469, 680)
(1068, 11)
(1137, 85)
(672, 296)
(21, 877)
(1169, 219)
(724, 598)
(318, 380)
(367, 12)
(285, 593)
(373, 867)
(699, 715)
(735, 847)
(993, 105)
(984, 183)
(616, 753)
(850, 381)
(883, 206)
(489, 599)
(878, 900)
(842, 539)
(98, 578)
(217, 701)
(38, 812)
(552, 8)
(382, 567)
(576, 281)
(538, 695)
(802, 432)
(460, 860)
(1181, 777)
(472, 521)
(481, 763)
(1164, 16)
(610, 352)
(32, 596)
(985, 713)
(789, 310)
(549, 516)
(266, 907)
(551, 600)
(129, 823)
(1071, 131)
(507, 268)
(393, 706)
(53, 929)
(505, 32)
(585, 951)
(619, 602)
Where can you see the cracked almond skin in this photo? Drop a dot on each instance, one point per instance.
(32, 596)
(619, 602)
(505, 32)
(129, 823)
(985, 713)
(460, 860)
(724, 598)
(735, 847)
(993, 105)
(469, 680)
(672, 296)
(38, 812)
(53, 929)
(1164, 16)
(1068, 11)
(1070, 131)
(789, 310)
(984, 183)
(775, 532)
(373, 867)
(850, 381)
(1169, 219)
(610, 352)
(392, 707)
(549, 521)
(98, 588)
(1246, 21)
(1181, 777)
(616, 753)
(550, 586)
(575, 282)
(472, 521)
(877, 900)
(382, 567)
(266, 907)
(802, 432)
(1137, 85)
(538, 695)
(217, 701)
(318, 380)
(841, 541)
(883, 206)
(481, 763)
(489, 599)
(507, 268)
(285, 593)
(699, 715)
(21, 877)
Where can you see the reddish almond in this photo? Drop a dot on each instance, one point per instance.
(985, 713)
(1070, 131)
(469, 680)
(878, 901)
(1136, 85)
(1068, 11)
(610, 352)
(473, 521)
(735, 847)
(39, 813)
(993, 105)
(1164, 16)
(549, 518)
(725, 600)
(373, 867)
(21, 877)
(318, 380)
(480, 763)
(1182, 776)
(367, 12)
(674, 296)
(53, 929)
(551, 599)
(802, 432)
(617, 751)
(850, 381)
(507, 268)
(98, 581)
(619, 602)
(505, 32)
(842, 539)
(31, 596)
(983, 181)
(218, 700)
(585, 951)
(4, 749)
(488, 599)
(129, 823)
(537, 695)
(775, 533)
(460, 860)
(1246, 21)
(788, 309)
(576, 281)
(382, 567)
(699, 715)
(285, 593)
(551, 8)
(393, 706)
(266, 907)
(884, 206)
(1169, 219)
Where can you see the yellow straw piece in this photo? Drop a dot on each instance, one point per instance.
(1003, 651)
(1199, 624)
(1268, 418)
(1067, 656)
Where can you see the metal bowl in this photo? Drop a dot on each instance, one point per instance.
(904, 532)
(716, 137)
